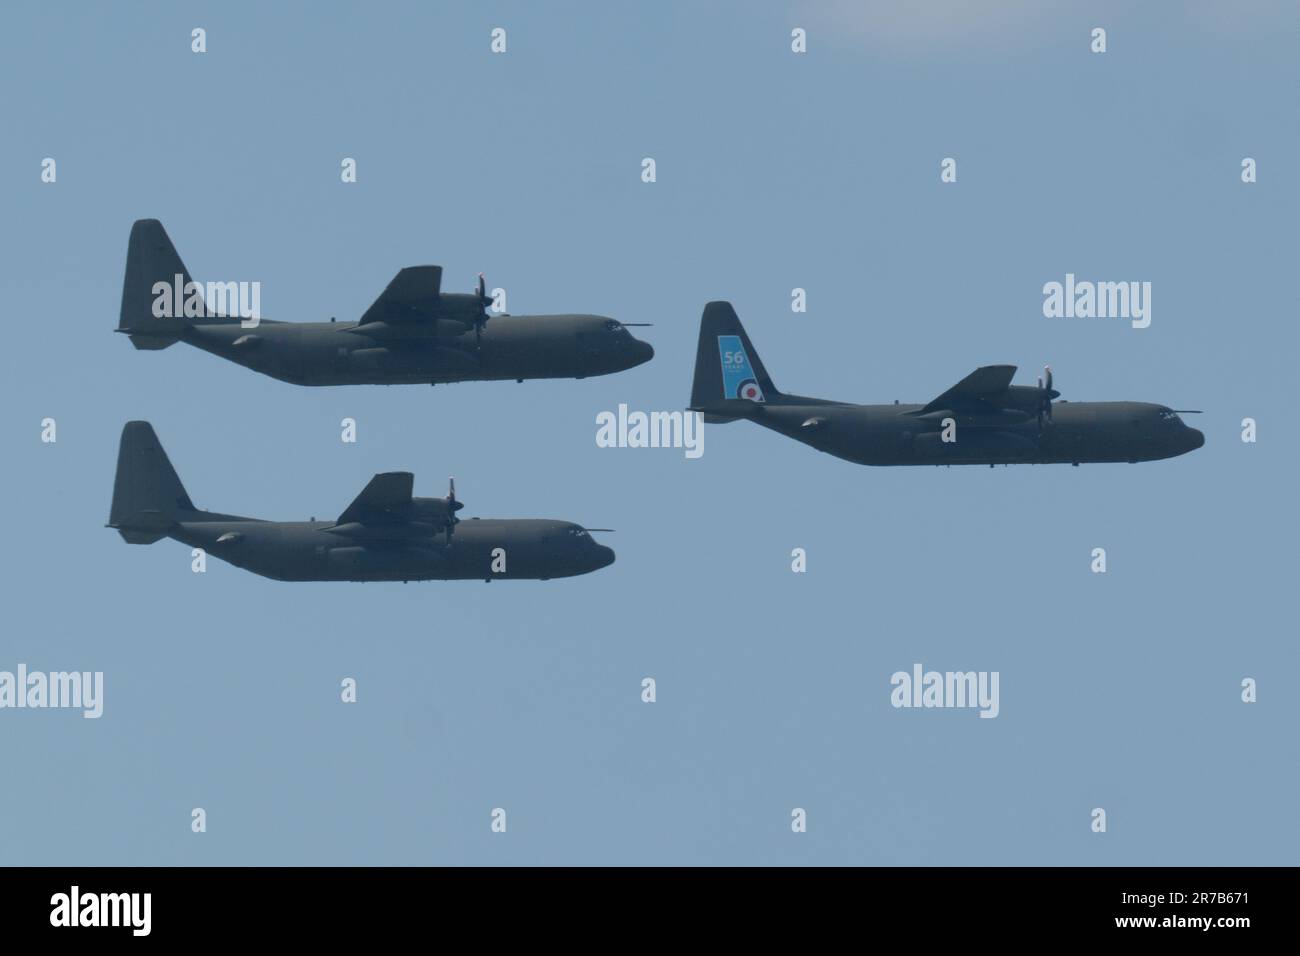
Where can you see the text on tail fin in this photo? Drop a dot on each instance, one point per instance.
(738, 378)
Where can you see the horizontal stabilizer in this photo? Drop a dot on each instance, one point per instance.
(720, 413)
(151, 343)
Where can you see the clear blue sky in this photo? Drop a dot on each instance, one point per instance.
(774, 171)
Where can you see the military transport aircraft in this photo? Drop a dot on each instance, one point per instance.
(413, 333)
(982, 420)
(384, 535)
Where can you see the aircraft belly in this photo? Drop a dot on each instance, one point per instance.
(411, 362)
(977, 446)
(398, 356)
(1056, 445)
(371, 563)
(519, 357)
(346, 359)
(907, 444)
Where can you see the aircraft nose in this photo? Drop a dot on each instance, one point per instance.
(1197, 439)
(642, 352)
(604, 557)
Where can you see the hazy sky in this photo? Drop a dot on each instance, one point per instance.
(774, 171)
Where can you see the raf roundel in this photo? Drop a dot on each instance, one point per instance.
(750, 391)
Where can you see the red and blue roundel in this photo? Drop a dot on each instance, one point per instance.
(750, 391)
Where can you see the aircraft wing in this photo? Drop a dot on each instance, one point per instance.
(387, 498)
(982, 386)
(412, 296)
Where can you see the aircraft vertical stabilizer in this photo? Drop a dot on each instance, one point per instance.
(148, 496)
(151, 258)
(728, 371)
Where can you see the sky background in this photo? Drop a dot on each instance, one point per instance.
(775, 171)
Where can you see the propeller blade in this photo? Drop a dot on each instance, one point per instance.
(1049, 393)
(452, 503)
(453, 506)
(483, 303)
(1044, 399)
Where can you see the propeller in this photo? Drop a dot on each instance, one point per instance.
(484, 300)
(452, 506)
(1047, 393)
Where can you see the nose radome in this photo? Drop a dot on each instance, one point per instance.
(604, 556)
(644, 352)
(1198, 438)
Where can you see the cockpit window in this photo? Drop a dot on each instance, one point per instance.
(613, 325)
(1167, 415)
(578, 532)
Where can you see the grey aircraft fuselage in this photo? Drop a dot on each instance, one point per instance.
(385, 534)
(413, 333)
(896, 435)
(982, 420)
(348, 353)
(532, 548)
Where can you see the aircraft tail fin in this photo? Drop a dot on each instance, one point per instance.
(730, 380)
(148, 497)
(150, 259)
